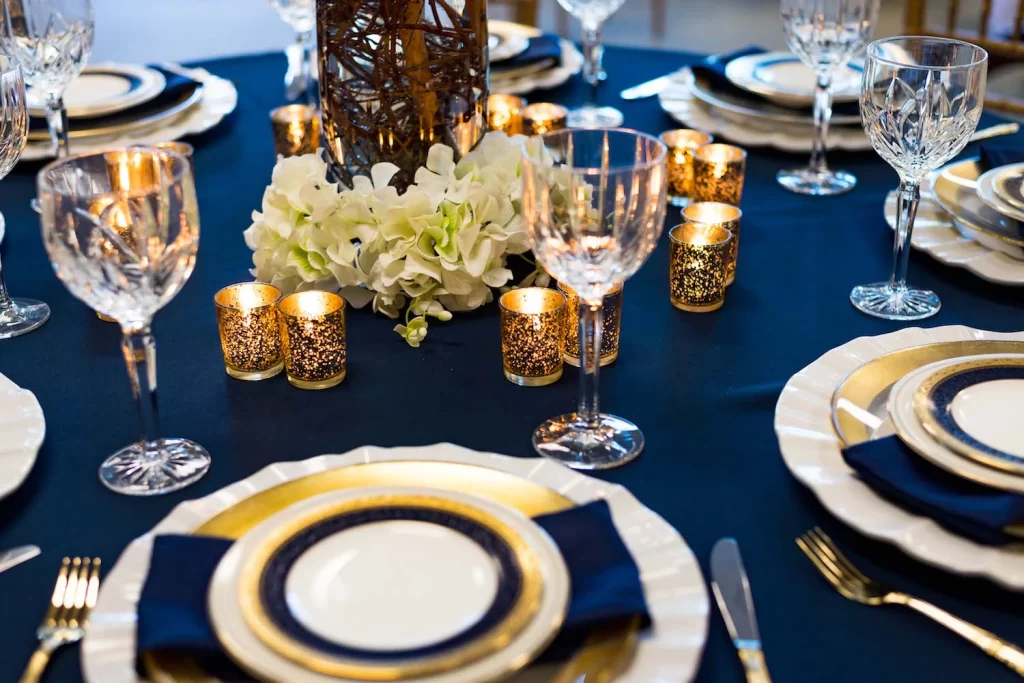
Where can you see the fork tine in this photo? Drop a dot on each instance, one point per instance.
(91, 591)
(825, 570)
(57, 599)
(68, 601)
(81, 584)
(847, 586)
(834, 550)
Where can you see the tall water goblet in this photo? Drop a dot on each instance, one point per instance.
(920, 101)
(122, 230)
(825, 35)
(53, 40)
(17, 316)
(593, 13)
(301, 16)
(594, 206)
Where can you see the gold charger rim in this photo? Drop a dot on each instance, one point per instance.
(999, 183)
(526, 606)
(948, 176)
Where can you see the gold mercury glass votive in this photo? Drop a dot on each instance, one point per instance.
(716, 214)
(698, 263)
(250, 330)
(313, 339)
(681, 143)
(611, 320)
(532, 335)
(296, 129)
(544, 117)
(178, 147)
(718, 173)
(505, 114)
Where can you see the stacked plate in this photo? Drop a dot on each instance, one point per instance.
(22, 429)
(972, 219)
(950, 394)
(766, 101)
(402, 564)
(119, 104)
(511, 74)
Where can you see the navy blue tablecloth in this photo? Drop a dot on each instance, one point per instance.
(702, 387)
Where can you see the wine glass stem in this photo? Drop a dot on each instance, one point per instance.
(7, 311)
(57, 120)
(139, 348)
(593, 53)
(307, 41)
(822, 116)
(590, 362)
(906, 210)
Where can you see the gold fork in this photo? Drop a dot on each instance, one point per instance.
(854, 585)
(74, 594)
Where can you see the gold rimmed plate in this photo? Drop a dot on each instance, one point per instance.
(1001, 188)
(390, 583)
(956, 191)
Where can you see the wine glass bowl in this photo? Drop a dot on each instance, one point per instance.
(594, 206)
(300, 77)
(921, 99)
(592, 14)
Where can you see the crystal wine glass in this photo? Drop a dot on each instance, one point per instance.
(53, 41)
(593, 13)
(825, 35)
(593, 204)
(17, 316)
(301, 16)
(122, 230)
(920, 101)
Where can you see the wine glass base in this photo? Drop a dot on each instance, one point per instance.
(612, 442)
(594, 117)
(882, 301)
(818, 183)
(25, 315)
(155, 467)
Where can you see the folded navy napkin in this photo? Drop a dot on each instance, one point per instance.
(977, 512)
(713, 68)
(178, 86)
(994, 156)
(606, 588)
(544, 48)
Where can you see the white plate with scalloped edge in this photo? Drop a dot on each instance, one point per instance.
(22, 429)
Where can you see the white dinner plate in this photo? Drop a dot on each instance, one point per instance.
(104, 89)
(668, 652)
(782, 78)
(812, 451)
(679, 102)
(22, 429)
(383, 587)
(955, 189)
(1001, 184)
(538, 77)
(506, 39)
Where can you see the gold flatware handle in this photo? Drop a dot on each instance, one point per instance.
(36, 666)
(754, 665)
(1007, 653)
(995, 131)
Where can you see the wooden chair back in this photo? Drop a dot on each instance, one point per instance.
(524, 11)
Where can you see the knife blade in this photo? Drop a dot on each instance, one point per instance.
(15, 556)
(732, 593)
(648, 89)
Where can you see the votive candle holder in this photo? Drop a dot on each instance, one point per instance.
(178, 147)
(532, 335)
(544, 117)
(611, 321)
(681, 143)
(250, 330)
(716, 214)
(505, 113)
(296, 129)
(698, 263)
(313, 339)
(718, 172)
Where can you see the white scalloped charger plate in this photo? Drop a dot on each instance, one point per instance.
(569, 66)
(673, 585)
(678, 101)
(219, 99)
(812, 452)
(936, 233)
(22, 430)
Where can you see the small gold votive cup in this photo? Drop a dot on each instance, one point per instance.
(611, 320)
(505, 114)
(250, 330)
(532, 335)
(313, 339)
(718, 172)
(178, 147)
(716, 214)
(296, 129)
(698, 263)
(681, 143)
(544, 117)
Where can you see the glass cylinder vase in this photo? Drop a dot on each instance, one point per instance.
(399, 76)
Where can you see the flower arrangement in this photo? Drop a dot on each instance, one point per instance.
(440, 247)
